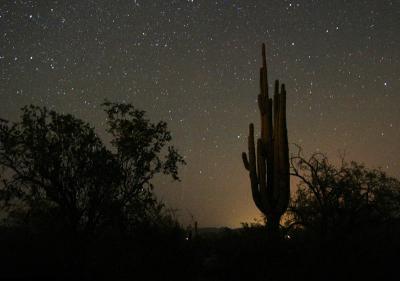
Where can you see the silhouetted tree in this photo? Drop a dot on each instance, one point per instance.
(139, 145)
(55, 167)
(341, 198)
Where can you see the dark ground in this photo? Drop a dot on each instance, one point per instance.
(159, 254)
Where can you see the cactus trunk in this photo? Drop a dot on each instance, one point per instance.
(268, 162)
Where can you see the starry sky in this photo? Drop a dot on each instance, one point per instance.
(195, 64)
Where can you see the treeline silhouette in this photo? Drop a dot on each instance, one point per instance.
(77, 209)
(74, 208)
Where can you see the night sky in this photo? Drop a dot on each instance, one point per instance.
(195, 64)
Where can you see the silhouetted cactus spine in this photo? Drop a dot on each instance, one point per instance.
(268, 166)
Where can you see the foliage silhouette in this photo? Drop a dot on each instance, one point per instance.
(350, 197)
(54, 167)
(139, 148)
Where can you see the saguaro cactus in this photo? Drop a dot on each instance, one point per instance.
(268, 166)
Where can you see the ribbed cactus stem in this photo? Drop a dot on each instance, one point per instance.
(268, 164)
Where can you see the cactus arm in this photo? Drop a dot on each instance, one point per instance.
(245, 161)
(283, 199)
(276, 106)
(270, 149)
(262, 172)
(252, 153)
(253, 170)
(269, 120)
(274, 189)
(265, 71)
